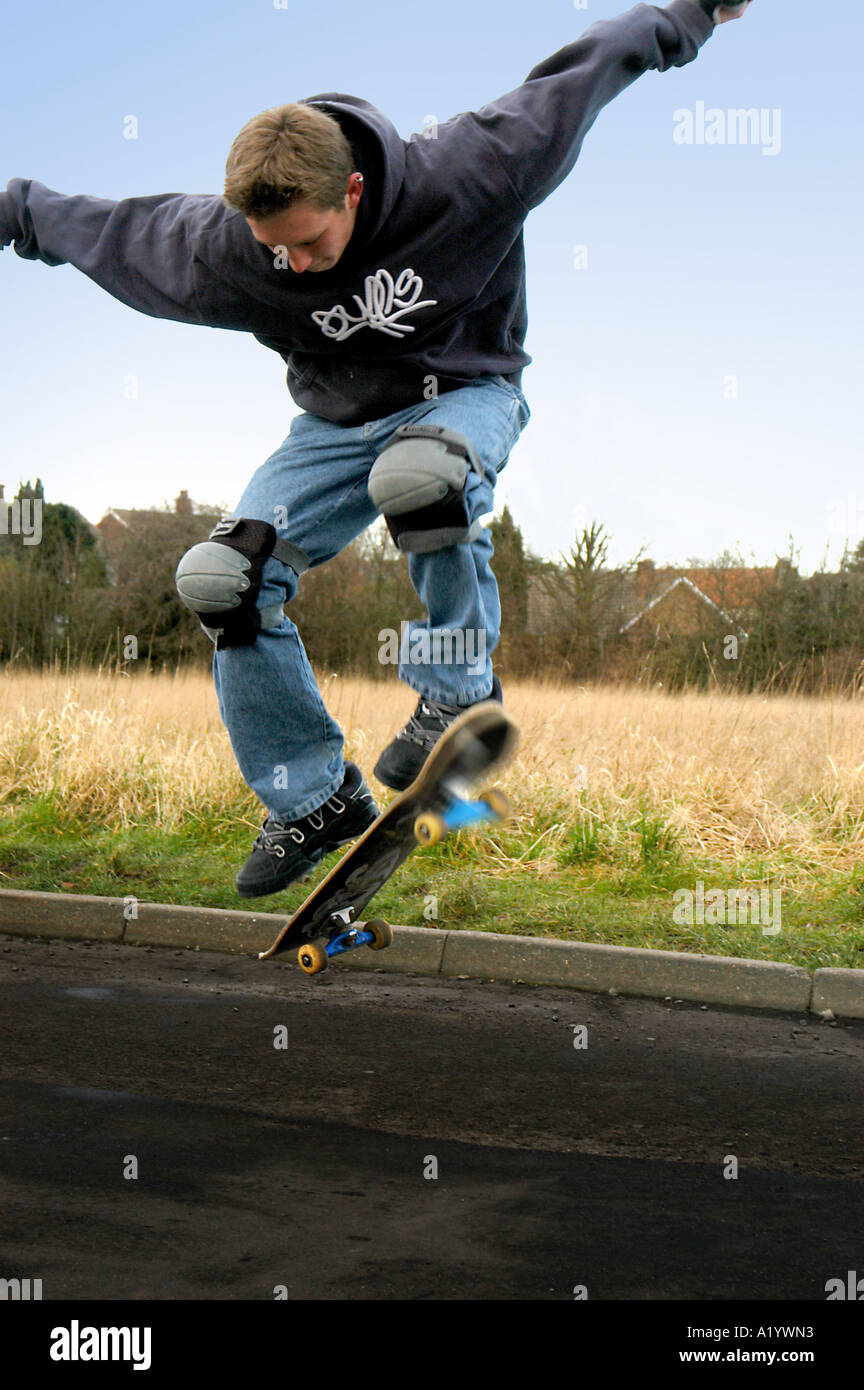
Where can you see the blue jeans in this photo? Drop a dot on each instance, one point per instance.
(313, 489)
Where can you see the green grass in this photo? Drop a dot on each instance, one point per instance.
(600, 882)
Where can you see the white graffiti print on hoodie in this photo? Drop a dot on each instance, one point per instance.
(382, 294)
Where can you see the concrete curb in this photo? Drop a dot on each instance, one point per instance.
(595, 968)
(841, 991)
(629, 970)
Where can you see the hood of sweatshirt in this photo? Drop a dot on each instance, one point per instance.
(223, 242)
(379, 155)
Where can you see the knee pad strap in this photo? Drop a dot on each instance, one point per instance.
(220, 579)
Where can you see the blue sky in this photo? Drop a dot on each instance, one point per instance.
(696, 388)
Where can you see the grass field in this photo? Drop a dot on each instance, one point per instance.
(118, 785)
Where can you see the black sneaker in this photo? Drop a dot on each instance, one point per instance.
(285, 852)
(402, 759)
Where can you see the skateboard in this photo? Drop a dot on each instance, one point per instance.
(437, 801)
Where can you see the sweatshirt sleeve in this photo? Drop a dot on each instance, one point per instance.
(536, 131)
(137, 249)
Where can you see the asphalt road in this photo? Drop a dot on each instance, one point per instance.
(413, 1139)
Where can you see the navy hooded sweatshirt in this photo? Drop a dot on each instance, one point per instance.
(432, 282)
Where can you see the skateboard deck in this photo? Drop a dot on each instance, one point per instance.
(437, 801)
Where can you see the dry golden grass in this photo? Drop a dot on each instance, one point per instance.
(735, 776)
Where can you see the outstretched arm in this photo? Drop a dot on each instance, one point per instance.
(137, 249)
(536, 131)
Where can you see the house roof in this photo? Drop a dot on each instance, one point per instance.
(684, 580)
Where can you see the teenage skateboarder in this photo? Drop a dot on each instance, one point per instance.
(390, 276)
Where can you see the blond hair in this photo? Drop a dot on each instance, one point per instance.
(289, 154)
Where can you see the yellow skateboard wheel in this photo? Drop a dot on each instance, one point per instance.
(382, 932)
(429, 828)
(499, 802)
(313, 958)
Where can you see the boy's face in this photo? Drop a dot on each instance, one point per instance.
(313, 237)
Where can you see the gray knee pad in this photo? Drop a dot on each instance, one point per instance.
(418, 484)
(220, 579)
